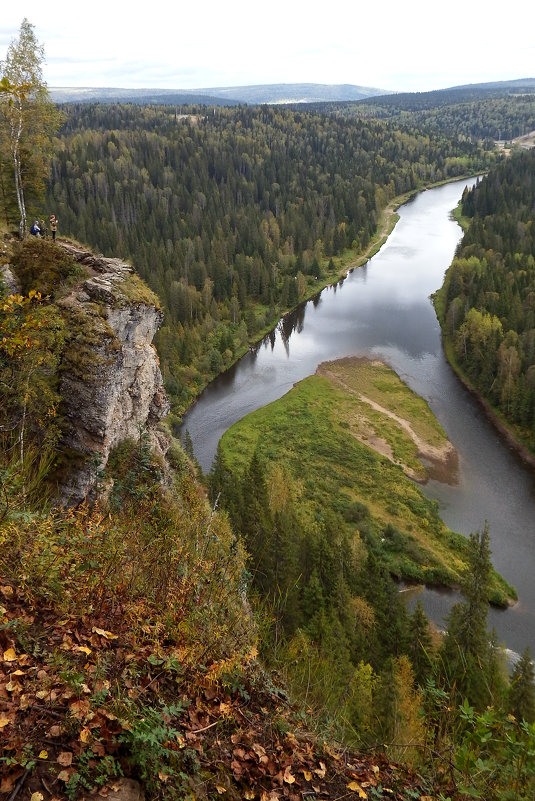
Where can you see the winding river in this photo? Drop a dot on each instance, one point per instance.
(384, 310)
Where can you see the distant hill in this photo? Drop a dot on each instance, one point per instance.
(86, 94)
(469, 93)
(295, 92)
(219, 96)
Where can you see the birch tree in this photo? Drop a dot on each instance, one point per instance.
(28, 119)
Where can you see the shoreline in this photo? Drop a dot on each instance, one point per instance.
(515, 445)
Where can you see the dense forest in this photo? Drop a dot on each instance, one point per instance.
(130, 628)
(474, 114)
(234, 215)
(488, 299)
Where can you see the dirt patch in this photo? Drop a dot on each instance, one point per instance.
(439, 463)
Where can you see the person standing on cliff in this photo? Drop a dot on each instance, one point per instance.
(53, 225)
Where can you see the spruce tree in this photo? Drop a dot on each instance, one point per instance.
(420, 645)
(522, 689)
(466, 651)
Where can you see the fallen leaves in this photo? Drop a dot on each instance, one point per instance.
(356, 788)
(106, 634)
(76, 710)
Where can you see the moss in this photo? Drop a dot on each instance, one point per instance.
(45, 266)
(135, 290)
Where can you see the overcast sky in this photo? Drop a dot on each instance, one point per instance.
(414, 45)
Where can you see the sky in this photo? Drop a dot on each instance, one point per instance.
(410, 45)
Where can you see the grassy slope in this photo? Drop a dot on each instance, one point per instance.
(313, 432)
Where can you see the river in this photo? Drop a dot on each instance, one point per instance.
(383, 309)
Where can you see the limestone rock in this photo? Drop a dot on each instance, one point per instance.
(111, 382)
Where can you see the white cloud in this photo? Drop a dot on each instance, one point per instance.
(401, 46)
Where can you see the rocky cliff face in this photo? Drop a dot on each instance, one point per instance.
(111, 383)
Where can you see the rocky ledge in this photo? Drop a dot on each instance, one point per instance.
(111, 383)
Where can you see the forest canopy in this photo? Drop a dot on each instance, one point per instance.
(234, 216)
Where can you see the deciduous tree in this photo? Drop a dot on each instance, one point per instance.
(27, 121)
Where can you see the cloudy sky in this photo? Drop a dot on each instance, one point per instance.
(414, 45)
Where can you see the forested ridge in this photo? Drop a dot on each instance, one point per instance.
(471, 114)
(488, 298)
(234, 215)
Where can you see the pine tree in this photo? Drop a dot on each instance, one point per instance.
(522, 689)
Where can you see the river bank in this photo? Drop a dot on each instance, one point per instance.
(343, 266)
(501, 426)
(354, 439)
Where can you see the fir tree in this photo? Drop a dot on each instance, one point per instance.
(522, 689)
(466, 649)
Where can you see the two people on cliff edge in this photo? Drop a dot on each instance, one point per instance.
(39, 228)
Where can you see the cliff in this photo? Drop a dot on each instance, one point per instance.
(111, 383)
(99, 323)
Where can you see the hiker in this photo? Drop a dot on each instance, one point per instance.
(35, 230)
(53, 225)
(43, 229)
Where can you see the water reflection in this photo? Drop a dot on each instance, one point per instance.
(384, 310)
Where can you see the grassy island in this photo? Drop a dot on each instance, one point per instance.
(357, 440)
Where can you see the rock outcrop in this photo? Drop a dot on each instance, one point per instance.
(111, 383)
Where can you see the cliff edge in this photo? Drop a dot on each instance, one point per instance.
(108, 373)
(120, 392)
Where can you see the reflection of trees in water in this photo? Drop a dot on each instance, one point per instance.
(294, 321)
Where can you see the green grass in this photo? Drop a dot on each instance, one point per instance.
(310, 431)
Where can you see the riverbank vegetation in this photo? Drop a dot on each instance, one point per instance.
(235, 215)
(487, 303)
(327, 521)
(340, 446)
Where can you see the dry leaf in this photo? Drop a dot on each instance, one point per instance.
(37, 797)
(85, 735)
(356, 788)
(43, 755)
(220, 789)
(8, 782)
(65, 758)
(82, 649)
(107, 634)
(55, 731)
(65, 775)
(307, 774)
(321, 771)
(10, 655)
(288, 777)
(4, 722)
